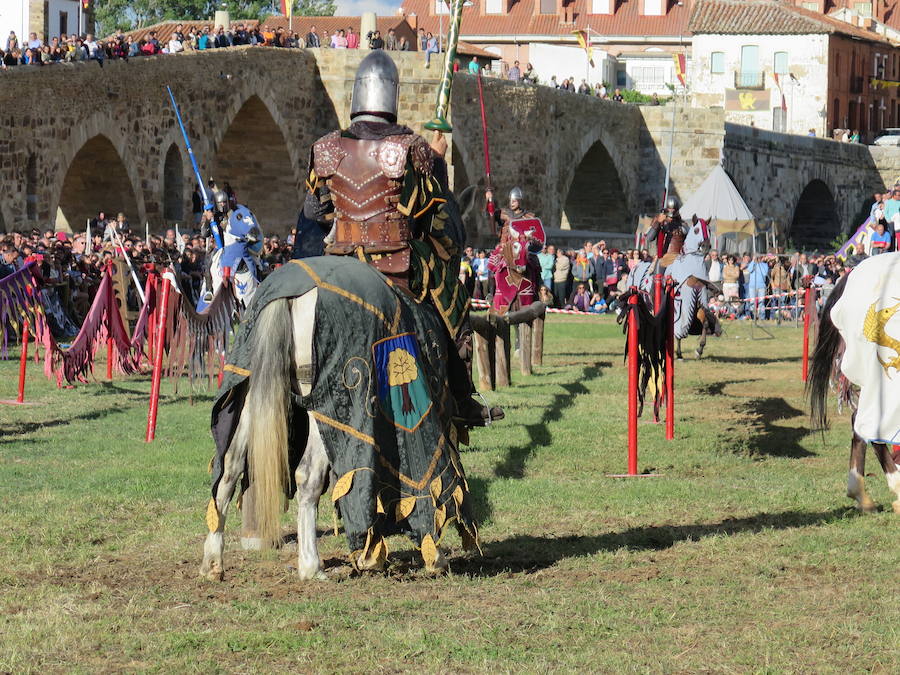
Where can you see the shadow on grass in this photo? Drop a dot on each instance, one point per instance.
(752, 360)
(768, 438)
(525, 553)
(513, 464)
(717, 388)
(28, 427)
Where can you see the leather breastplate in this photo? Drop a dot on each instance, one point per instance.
(365, 180)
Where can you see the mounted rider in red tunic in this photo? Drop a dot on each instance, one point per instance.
(514, 262)
(380, 191)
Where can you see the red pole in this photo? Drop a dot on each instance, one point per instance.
(806, 319)
(657, 292)
(632, 382)
(23, 361)
(158, 360)
(670, 360)
(487, 149)
(111, 295)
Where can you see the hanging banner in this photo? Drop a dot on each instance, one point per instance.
(680, 68)
(747, 101)
(883, 84)
(584, 41)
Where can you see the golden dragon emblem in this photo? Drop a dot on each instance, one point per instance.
(873, 331)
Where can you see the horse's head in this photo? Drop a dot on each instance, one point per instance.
(243, 227)
(697, 238)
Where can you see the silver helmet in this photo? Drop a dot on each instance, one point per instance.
(672, 204)
(517, 194)
(221, 201)
(377, 87)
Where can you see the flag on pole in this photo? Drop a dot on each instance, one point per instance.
(780, 91)
(680, 68)
(287, 7)
(584, 41)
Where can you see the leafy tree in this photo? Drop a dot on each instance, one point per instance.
(112, 15)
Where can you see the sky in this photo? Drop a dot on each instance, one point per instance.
(357, 7)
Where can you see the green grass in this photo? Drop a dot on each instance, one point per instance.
(743, 556)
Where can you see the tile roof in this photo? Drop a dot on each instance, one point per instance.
(521, 20)
(769, 17)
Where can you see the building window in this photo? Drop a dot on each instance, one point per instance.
(621, 78)
(648, 77)
(837, 65)
(548, 6)
(441, 7)
(863, 9)
(781, 63)
(63, 22)
(653, 7)
(811, 6)
(493, 7)
(717, 63)
(601, 6)
(836, 114)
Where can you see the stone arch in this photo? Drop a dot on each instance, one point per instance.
(815, 221)
(254, 157)
(99, 124)
(96, 178)
(596, 199)
(31, 187)
(173, 183)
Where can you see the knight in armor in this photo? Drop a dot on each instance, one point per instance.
(516, 285)
(380, 193)
(668, 231)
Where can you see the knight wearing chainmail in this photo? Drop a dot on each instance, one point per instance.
(379, 191)
(668, 231)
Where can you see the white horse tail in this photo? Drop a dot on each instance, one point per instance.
(268, 404)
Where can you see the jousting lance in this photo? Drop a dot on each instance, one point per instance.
(487, 147)
(440, 123)
(207, 201)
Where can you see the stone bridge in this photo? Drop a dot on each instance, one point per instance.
(77, 138)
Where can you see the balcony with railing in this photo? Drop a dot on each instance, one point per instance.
(744, 79)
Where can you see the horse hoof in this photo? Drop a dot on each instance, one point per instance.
(317, 574)
(868, 506)
(698, 354)
(896, 506)
(212, 571)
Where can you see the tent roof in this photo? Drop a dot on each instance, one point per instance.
(719, 200)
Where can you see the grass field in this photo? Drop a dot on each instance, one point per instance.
(744, 556)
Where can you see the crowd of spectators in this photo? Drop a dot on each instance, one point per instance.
(71, 267)
(76, 48)
(591, 278)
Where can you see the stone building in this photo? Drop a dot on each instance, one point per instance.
(47, 18)
(780, 67)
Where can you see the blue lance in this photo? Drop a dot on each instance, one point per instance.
(207, 201)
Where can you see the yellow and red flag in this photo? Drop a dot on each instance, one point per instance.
(584, 41)
(287, 7)
(680, 68)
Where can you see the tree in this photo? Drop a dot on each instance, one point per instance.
(315, 7)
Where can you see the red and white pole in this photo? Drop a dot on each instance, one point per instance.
(670, 360)
(806, 319)
(633, 382)
(158, 359)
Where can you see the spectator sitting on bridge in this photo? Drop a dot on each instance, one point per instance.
(881, 239)
(34, 42)
(431, 47)
(240, 37)
(584, 88)
(529, 76)
(222, 40)
(352, 39)
(617, 96)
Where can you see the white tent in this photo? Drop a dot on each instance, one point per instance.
(718, 200)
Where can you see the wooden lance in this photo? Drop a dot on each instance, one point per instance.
(439, 122)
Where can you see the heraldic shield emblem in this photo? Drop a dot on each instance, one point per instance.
(402, 389)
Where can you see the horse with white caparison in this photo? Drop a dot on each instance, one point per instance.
(858, 350)
(688, 272)
(335, 372)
